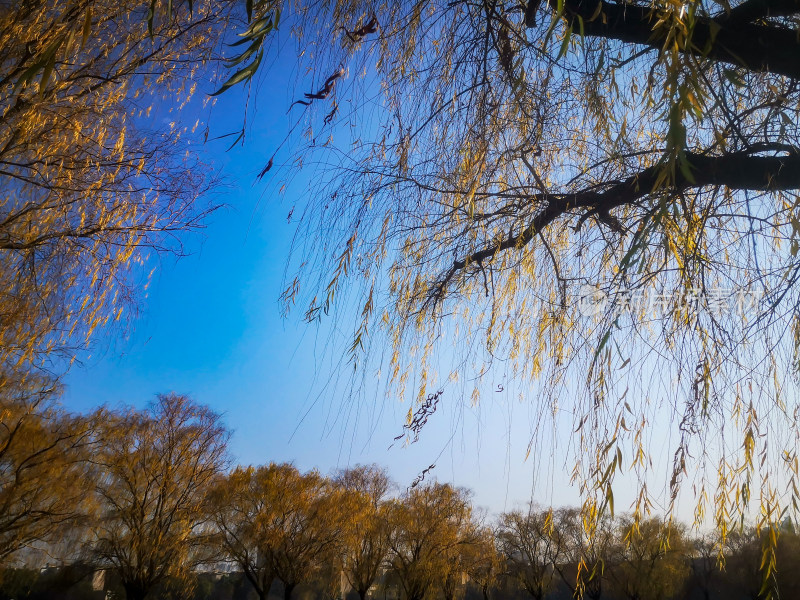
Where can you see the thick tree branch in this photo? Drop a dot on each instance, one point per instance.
(752, 10)
(768, 48)
(738, 170)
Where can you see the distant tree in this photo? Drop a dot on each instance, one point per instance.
(531, 545)
(155, 468)
(458, 559)
(250, 507)
(744, 560)
(595, 547)
(43, 468)
(569, 535)
(483, 563)
(649, 559)
(306, 526)
(426, 528)
(787, 575)
(365, 541)
(705, 563)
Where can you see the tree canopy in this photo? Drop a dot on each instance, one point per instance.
(143, 496)
(43, 468)
(91, 183)
(155, 468)
(593, 203)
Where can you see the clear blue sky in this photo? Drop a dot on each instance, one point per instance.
(211, 327)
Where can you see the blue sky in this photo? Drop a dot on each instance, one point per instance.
(211, 327)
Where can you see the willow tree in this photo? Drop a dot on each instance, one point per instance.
(43, 465)
(307, 526)
(273, 521)
(155, 469)
(650, 560)
(428, 527)
(533, 548)
(244, 511)
(483, 562)
(91, 182)
(364, 532)
(594, 200)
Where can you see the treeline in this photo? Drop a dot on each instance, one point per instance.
(148, 499)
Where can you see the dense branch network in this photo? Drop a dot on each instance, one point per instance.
(745, 37)
(526, 150)
(738, 170)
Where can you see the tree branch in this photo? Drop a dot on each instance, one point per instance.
(769, 48)
(752, 10)
(738, 170)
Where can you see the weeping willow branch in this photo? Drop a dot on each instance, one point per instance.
(738, 170)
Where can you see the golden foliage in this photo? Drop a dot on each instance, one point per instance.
(90, 182)
(505, 167)
(43, 466)
(428, 526)
(154, 471)
(364, 544)
(532, 546)
(274, 521)
(650, 560)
